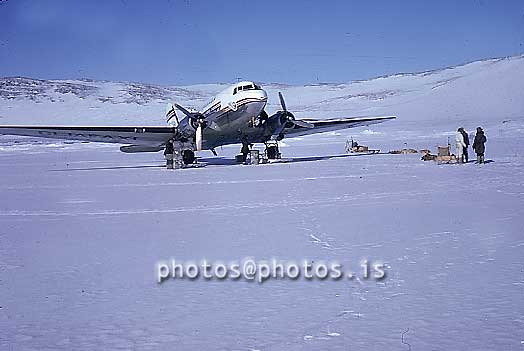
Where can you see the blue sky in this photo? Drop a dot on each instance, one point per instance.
(297, 42)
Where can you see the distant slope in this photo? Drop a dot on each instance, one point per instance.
(486, 91)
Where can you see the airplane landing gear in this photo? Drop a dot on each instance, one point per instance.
(179, 155)
(272, 152)
(188, 156)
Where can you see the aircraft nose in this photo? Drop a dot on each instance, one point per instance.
(262, 94)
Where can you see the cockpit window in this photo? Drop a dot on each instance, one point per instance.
(246, 87)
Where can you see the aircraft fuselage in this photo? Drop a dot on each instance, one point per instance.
(232, 116)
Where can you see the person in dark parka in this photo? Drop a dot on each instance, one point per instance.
(169, 154)
(466, 141)
(478, 145)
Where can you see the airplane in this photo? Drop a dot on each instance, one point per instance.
(236, 115)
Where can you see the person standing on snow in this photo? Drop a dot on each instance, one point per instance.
(169, 154)
(245, 149)
(466, 141)
(478, 145)
(459, 141)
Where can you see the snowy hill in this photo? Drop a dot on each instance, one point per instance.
(487, 92)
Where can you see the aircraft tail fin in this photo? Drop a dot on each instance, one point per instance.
(171, 117)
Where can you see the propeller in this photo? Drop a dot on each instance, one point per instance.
(282, 102)
(287, 119)
(198, 137)
(192, 115)
(198, 121)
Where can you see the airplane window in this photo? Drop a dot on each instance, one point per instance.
(257, 87)
(234, 91)
(248, 87)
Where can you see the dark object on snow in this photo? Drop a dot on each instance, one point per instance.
(465, 154)
(188, 156)
(169, 154)
(246, 148)
(478, 145)
(429, 157)
(240, 158)
(272, 152)
(354, 147)
(169, 148)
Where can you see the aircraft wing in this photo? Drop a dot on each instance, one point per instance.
(329, 125)
(144, 136)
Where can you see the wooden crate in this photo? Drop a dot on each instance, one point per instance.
(443, 151)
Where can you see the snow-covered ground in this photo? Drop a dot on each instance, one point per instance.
(83, 225)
